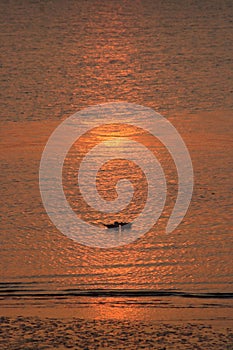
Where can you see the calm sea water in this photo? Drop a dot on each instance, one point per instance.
(58, 57)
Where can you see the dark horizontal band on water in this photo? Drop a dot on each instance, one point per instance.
(15, 292)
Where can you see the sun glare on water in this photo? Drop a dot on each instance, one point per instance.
(115, 141)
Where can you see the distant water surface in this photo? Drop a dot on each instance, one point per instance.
(60, 56)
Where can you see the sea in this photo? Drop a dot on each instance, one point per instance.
(61, 57)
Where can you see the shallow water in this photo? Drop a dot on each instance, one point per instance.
(59, 57)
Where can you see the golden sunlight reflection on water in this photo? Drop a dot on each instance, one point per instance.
(196, 256)
(81, 53)
(113, 171)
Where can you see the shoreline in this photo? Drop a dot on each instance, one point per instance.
(116, 323)
(217, 312)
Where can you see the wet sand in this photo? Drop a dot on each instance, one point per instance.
(110, 323)
(51, 333)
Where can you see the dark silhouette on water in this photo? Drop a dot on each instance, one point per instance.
(117, 224)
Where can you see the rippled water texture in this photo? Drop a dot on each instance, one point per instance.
(58, 57)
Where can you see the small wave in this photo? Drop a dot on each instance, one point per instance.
(11, 290)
